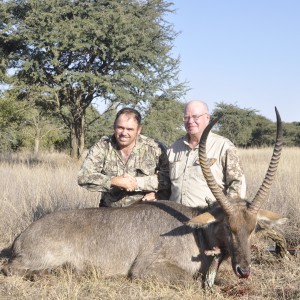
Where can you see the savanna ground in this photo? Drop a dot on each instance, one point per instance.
(32, 187)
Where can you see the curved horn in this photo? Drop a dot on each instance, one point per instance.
(264, 189)
(211, 182)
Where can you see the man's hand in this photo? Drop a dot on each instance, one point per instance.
(149, 197)
(126, 182)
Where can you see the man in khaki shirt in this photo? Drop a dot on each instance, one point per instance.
(188, 184)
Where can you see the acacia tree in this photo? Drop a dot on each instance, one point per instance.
(163, 120)
(24, 125)
(237, 123)
(11, 118)
(75, 52)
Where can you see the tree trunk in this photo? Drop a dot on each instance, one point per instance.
(37, 139)
(77, 138)
(81, 138)
(74, 144)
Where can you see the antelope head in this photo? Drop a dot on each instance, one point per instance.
(238, 217)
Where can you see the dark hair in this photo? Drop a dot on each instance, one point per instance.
(129, 111)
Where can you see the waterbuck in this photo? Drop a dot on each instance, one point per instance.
(162, 240)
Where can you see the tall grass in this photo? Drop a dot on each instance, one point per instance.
(31, 187)
(285, 191)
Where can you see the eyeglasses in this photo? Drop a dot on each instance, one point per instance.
(194, 117)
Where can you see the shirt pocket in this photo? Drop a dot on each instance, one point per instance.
(111, 169)
(146, 168)
(140, 172)
(196, 169)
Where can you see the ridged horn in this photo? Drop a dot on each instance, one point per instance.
(263, 192)
(211, 182)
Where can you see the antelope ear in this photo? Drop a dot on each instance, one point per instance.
(201, 220)
(271, 217)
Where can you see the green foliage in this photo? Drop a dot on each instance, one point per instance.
(10, 113)
(237, 123)
(263, 133)
(245, 128)
(79, 51)
(98, 124)
(11, 118)
(297, 139)
(23, 124)
(163, 120)
(67, 55)
(292, 134)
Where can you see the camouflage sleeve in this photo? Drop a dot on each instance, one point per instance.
(234, 176)
(164, 182)
(159, 181)
(90, 175)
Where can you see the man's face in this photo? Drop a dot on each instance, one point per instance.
(196, 118)
(126, 130)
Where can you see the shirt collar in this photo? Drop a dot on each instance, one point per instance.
(185, 140)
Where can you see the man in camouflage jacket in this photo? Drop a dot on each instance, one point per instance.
(126, 167)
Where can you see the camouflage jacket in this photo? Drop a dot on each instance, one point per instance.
(148, 163)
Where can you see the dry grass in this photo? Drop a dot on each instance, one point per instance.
(285, 193)
(32, 187)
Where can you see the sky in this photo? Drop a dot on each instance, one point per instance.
(240, 52)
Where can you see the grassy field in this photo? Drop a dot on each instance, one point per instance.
(30, 188)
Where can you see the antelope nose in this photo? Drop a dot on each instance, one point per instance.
(242, 273)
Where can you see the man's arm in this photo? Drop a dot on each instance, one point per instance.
(160, 181)
(164, 182)
(90, 175)
(157, 178)
(125, 182)
(234, 175)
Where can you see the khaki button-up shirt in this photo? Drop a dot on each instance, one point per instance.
(188, 185)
